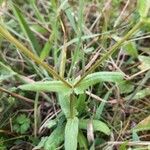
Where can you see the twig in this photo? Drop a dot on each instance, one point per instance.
(16, 95)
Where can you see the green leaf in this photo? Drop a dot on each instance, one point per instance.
(140, 94)
(5, 72)
(97, 77)
(71, 133)
(46, 86)
(81, 104)
(131, 49)
(145, 62)
(45, 51)
(143, 7)
(64, 104)
(68, 10)
(135, 136)
(143, 125)
(50, 123)
(83, 144)
(100, 108)
(53, 141)
(97, 125)
(26, 30)
(41, 143)
(22, 124)
(123, 146)
(125, 87)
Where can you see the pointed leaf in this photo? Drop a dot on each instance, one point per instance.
(97, 77)
(143, 125)
(97, 125)
(71, 133)
(83, 144)
(46, 49)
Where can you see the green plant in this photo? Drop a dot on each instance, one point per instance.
(69, 90)
(21, 124)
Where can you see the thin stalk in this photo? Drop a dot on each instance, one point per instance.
(63, 53)
(72, 115)
(36, 114)
(111, 50)
(29, 54)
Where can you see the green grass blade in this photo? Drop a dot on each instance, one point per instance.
(100, 108)
(71, 134)
(46, 49)
(37, 13)
(26, 30)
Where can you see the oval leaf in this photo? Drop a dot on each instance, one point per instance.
(47, 86)
(71, 134)
(97, 125)
(145, 62)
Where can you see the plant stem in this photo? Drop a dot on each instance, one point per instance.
(63, 53)
(36, 114)
(72, 105)
(28, 53)
(111, 50)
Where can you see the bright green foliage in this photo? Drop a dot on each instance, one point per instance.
(97, 125)
(64, 103)
(21, 124)
(58, 86)
(98, 77)
(47, 86)
(143, 7)
(46, 49)
(71, 134)
(126, 87)
(53, 141)
(131, 49)
(83, 143)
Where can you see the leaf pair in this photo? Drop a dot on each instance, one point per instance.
(58, 86)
